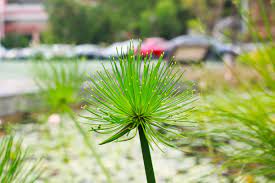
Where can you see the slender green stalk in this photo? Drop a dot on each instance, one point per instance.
(149, 170)
(62, 136)
(59, 82)
(87, 141)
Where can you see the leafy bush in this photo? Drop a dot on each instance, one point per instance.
(84, 25)
(196, 26)
(164, 20)
(15, 41)
(110, 21)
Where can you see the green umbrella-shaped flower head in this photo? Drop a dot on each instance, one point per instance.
(138, 93)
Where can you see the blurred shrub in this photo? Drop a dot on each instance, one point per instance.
(196, 26)
(15, 41)
(60, 82)
(245, 119)
(166, 20)
(263, 62)
(48, 37)
(162, 21)
(208, 11)
(85, 23)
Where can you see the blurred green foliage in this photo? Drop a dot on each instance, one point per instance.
(60, 82)
(243, 120)
(14, 164)
(81, 22)
(238, 126)
(263, 62)
(73, 22)
(14, 40)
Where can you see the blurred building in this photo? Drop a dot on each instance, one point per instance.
(27, 17)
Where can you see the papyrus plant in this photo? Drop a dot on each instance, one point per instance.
(249, 117)
(138, 96)
(60, 83)
(14, 164)
(246, 117)
(246, 120)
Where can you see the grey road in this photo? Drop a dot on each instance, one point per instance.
(16, 76)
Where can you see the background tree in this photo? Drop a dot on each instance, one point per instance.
(75, 22)
(108, 21)
(14, 40)
(207, 11)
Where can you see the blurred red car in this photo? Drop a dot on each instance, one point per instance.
(155, 45)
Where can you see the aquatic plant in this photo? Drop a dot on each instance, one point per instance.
(60, 83)
(139, 96)
(247, 116)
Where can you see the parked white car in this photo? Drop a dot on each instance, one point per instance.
(89, 51)
(2, 52)
(12, 54)
(26, 53)
(56, 50)
(62, 50)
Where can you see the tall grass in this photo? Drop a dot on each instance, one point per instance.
(245, 118)
(237, 123)
(246, 121)
(262, 62)
(15, 166)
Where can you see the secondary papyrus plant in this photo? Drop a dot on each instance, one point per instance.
(139, 96)
(14, 164)
(60, 82)
(245, 117)
(251, 113)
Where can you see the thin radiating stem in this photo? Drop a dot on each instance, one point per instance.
(87, 141)
(149, 170)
